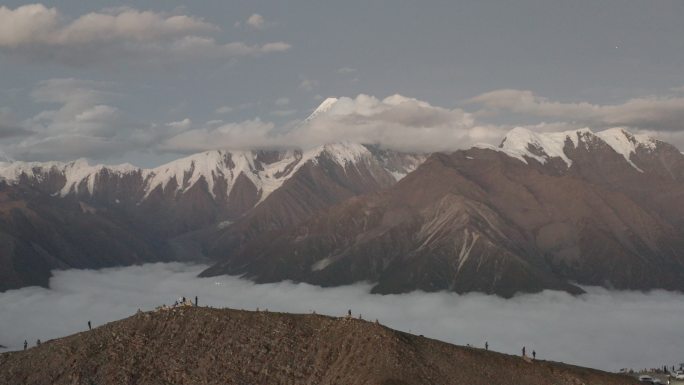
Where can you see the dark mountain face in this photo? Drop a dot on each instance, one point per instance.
(540, 212)
(39, 233)
(194, 345)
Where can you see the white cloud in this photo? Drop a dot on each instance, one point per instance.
(181, 124)
(396, 122)
(662, 113)
(256, 21)
(603, 329)
(39, 32)
(246, 134)
(99, 129)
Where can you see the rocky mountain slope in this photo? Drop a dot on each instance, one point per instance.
(39, 233)
(192, 345)
(204, 188)
(204, 191)
(541, 211)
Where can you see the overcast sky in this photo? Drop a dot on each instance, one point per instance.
(148, 81)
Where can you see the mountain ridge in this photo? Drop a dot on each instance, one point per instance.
(499, 220)
(190, 345)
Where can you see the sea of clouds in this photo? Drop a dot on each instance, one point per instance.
(602, 329)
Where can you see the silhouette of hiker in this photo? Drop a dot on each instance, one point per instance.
(534, 355)
(90, 327)
(38, 342)
(349, 313)
(196, 302)
(486, 345)
(523, 351)
(25, 344)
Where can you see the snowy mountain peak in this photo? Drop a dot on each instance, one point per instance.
(626, 144)
(322, 108)
(208, 165)
(267, 170)
(343, 153)
(523, 144)
(75, 173)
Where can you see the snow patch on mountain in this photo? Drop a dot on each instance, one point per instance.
(75, 173)
(212, 167)
(523, 144)
(266, 177)
(625, 143)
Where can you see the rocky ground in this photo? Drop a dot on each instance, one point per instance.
(197, 345)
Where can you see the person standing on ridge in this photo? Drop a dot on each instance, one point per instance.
(25, 344)
(90, 326)
(523, 351)
(486, 345)
(196, 302)
(534, 355)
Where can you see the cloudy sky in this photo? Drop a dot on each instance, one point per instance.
(148, 81)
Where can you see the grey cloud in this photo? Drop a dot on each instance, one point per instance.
(81, 122)
(9, 128)
(37, 32)
(661, 113)
(603, 329)
(247, 134)
(7, 131)
(256, 21)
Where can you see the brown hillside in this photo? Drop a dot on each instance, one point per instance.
(209, 346)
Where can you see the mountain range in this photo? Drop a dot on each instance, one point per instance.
(539, 211)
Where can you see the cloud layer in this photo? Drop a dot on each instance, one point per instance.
(396, 122)
(658, 113)
(602, 329)
(40, 33)
(83, 120)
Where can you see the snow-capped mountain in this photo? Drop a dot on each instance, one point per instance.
(541, 211)
(220, 170)
(524, 144)
(209, 191)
